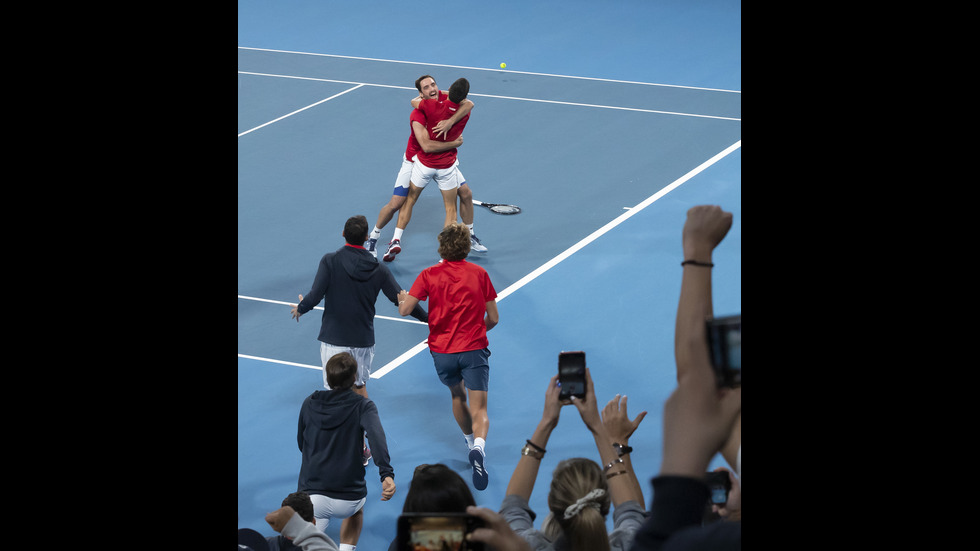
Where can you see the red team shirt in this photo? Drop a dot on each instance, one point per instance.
(436, 110)
(459, 291)
(417, 116)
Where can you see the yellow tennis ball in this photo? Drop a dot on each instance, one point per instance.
(503, 65)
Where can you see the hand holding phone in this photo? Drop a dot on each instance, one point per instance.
(437, 531)
(571, 374)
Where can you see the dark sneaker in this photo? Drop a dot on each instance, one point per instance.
(372, 247)
(480, 478)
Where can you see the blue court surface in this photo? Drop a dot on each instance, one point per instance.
(609, 122)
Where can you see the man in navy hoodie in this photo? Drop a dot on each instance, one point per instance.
(331, 424)
(348, 281)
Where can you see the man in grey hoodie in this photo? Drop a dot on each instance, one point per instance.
(348, 281)
(331, 424)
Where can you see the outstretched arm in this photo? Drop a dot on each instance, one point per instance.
(522, 481)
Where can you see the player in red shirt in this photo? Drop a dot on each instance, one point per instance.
(462, 308)
(427, 88)
(439, 165)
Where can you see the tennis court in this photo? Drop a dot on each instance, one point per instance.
(604, 169)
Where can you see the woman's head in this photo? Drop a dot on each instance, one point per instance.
(579, 502)
(454, 242)
(437, 489)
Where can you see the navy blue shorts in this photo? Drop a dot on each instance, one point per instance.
(472, 367)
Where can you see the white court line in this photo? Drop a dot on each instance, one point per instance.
(359, 84)
(301, 109)
(496, 70)
(573, 249)
(246, 356)
(389, 318)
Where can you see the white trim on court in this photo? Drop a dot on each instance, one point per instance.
(574, 104)
(486, 69)
(408, 354)
(389, 318)
(300, 110)
(573, 249)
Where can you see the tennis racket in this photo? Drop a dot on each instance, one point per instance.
(499, 208)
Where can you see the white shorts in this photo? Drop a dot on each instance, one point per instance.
(325, 508)
(403, 178)
(364, 357)
(446, 178)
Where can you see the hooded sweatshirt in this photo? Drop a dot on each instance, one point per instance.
(348, 281)
(331, 425)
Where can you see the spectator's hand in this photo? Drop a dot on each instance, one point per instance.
(387, 488)
(705, 227)
(617, 421)
(278, 518)
(295, 310)
(552, 404)
(587, 406)
(732, 509)
(496, 533)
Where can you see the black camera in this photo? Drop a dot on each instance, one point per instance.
(437, 531)
(718, 486)
(725, 348)
(571, 375)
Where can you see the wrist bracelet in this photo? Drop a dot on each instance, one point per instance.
(696, 263)
(622, 449)
(613, 462)
(535, 446)
(610, 475)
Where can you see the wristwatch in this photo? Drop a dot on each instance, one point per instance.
(621, 449)
(529, 451)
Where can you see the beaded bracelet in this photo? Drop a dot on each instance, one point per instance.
(535, 446)
(696, 263)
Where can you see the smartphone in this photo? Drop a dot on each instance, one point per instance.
(718, 486)
(571, 374)
(725, 347)
(437, 531)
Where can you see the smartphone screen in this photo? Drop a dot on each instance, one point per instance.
(436, 532)
(571, 374)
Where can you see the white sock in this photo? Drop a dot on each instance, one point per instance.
(480, 443)
(469, 440)
(347, 547)
(376, 233)
(398, 233)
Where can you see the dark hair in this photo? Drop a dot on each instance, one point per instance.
(356, 230)
(459, 90)
(341, 370)
(302, 504)
(418, 81)
(454, 242)
(437, 489)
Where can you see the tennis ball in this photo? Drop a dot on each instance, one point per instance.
(503, 65)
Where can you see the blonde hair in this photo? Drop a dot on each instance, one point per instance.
(578, 489)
